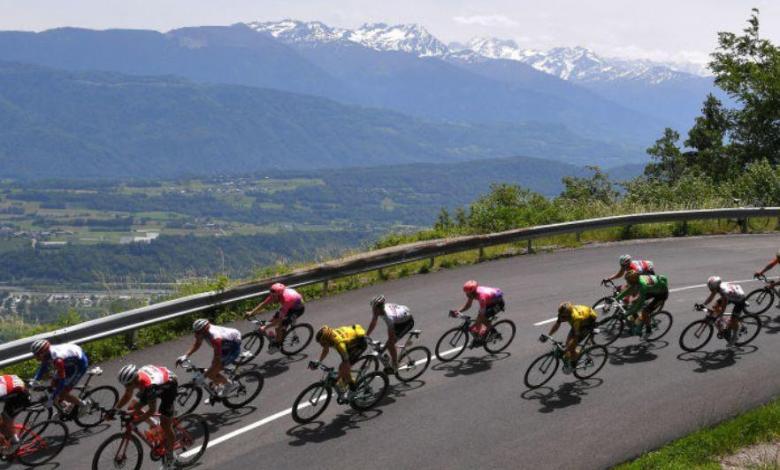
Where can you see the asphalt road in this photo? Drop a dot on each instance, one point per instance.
(475, 412)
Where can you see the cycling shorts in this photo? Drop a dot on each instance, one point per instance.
(404, 327)
(230, 352)
(739, 308)
(493, 309)
(586, 328)
(655, 300)
(167, 395)
(354, 349)
(74, 372)
(291, 315)
(15, 403)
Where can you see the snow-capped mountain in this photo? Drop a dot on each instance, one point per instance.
(411, 38)
(576, 63)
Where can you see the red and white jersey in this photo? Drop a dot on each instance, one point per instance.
(11, 384)
(153, 376)
(219, 334)
(732, 292)
(641, 266)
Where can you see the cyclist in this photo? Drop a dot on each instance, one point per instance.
(491, 301)
(151, 382)
(769, 266)
(226, 343)
(14, 394)
(652, 290)
(290, 307)
(70, 364)
(729, 293)
(349, 341)
(582, 320)
(627, 264)
(399, 322)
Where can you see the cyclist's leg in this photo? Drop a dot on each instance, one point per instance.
(166, 409)
(400, 330)
(74, 374)
(736, 317)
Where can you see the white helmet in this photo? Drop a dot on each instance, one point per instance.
(625, 260)
(39, 346)
(127, 374)
(713, 282)
(200, 325)
(378, 300)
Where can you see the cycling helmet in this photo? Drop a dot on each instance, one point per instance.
(40, 346)
(632, 277)
(200, 325)
(378, 300)
(625, 260)
(565, 309)
(713, 282)
(127, 374)
(277, 288)
(470, 287)
(325, 330)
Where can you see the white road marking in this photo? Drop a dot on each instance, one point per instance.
(676, 289)
(272, 418)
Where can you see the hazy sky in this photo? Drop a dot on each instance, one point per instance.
(680, 30)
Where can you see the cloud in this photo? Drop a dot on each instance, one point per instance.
(485, 20)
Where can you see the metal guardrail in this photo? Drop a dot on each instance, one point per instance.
(18, 350)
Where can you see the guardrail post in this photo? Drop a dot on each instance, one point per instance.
(130, 340)
(743, 225)
(325, 288)
(530, 247)
(579, 237)
(685, 228)
(481, 253)
(431, 262)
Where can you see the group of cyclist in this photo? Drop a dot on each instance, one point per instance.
(151, 389)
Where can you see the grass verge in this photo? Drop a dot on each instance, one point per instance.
(704, 449)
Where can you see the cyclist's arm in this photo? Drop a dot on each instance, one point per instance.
(628, 290)
(467, 305)
(324, 353)
(769, 266)
(554, 328)
(260, 306)
(42, 370)
(128, 395)
(618, 274)
(372, 325)
(150, 410)
(710, 297)
(195, 346)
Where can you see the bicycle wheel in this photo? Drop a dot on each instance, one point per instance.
(500, 336)
(452, 344)
(41, 442)
(37, 413)
(120, 451)
(363, 365)
(660, 324)
(610, 330)
(760, 224)
(314, 397)
(759, 301)
(251, 342)
(297, 338)
(369, 391)
(413, 363)
(250, 384)
(696, 335)
(591, 360)
(541, 370)
(192, 438)
(749, 327)
(604, 305)
(187, 399)
(104, 397)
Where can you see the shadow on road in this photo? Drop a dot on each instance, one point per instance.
(399, 389)
(568, 394)
(635, 353)
(469, 365)
(319, 431)
(223, 418)
(769, 325)
(714, 360)
(276, 366)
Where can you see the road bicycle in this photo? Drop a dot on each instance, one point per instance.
(248, 385)
(412, 361)
(39, 443)
(455, 340)
(297, 338)
(761, 299)
(543, 368)
(94, 399)
(314, 399)
(696, 335)
(124, 450)
(613, 319)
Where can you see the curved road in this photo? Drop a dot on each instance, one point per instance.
(475, 412)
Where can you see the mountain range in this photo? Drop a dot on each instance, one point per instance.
(324, 97)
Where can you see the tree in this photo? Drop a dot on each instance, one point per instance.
(706, 139)
(596, 188)
(667, 162)
(747, 67)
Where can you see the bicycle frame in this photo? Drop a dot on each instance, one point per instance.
(379, 349)
(131, 428)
